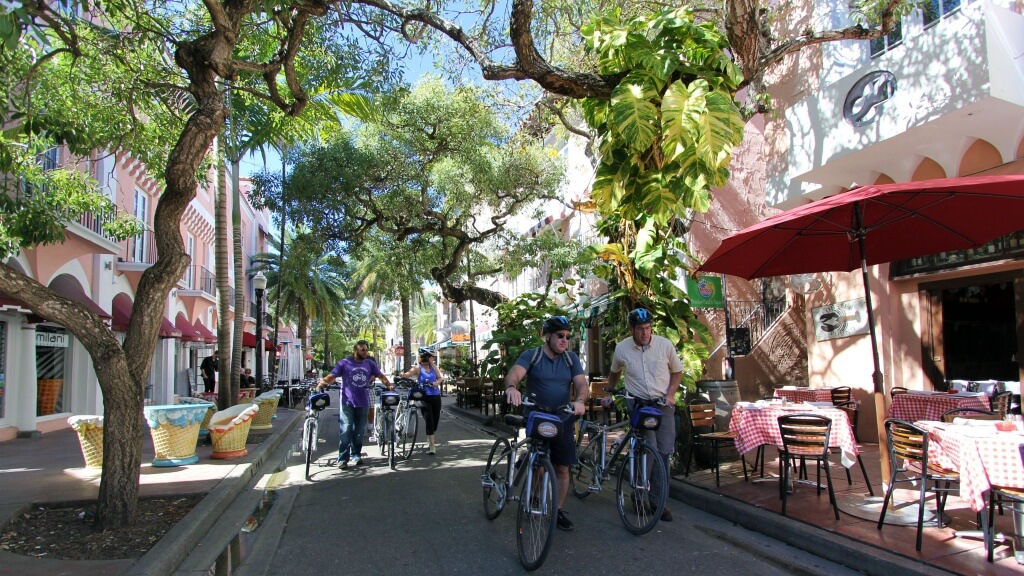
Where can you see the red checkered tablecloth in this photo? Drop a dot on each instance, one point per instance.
(754, 427)
(983, 456)
(914, 407)
(805, 394)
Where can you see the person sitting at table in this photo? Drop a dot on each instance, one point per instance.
(247, 380)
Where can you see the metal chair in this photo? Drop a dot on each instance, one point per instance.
(896, 391)
(852, 410)
(805, 437)
(969, 413)
(842, 394)
(1001, 403)
(1004, 495)
(909, 443)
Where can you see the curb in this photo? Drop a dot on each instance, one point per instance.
(865, 558)
(168, 554)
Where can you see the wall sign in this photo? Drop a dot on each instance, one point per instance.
(840, 320)
(863, 103)
(705, 292)
(53, 339)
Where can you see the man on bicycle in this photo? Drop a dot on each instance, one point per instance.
(357, 373)
(651, 369)
(550, 374)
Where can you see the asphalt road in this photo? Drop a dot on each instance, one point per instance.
(427, 518)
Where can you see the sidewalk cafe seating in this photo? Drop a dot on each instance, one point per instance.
(909, 444)
(805, 437)
(852, 409)
(268, 402)
(1004, 495)
(841, 394)
(1001, 403)
(700, 424)
(211, 408)
(470, 393)
(896, 391)
(229, 430)
(970, 414)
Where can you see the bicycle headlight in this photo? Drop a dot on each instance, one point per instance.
(547, 429)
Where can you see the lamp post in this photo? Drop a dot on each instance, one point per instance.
(259, 283)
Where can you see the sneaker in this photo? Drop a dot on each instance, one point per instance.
(666, 516)
(372, 439)
(563, 522)
(432, 450)
(343, 465)
(358, 462)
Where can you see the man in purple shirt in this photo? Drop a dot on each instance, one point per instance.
(357, 373)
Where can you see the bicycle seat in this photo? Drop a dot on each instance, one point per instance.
(515, 420)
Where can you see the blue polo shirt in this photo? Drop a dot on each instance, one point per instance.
(550, 378)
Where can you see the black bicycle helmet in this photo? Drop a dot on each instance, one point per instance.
(639, 316)
(556, 323)
(426, 352)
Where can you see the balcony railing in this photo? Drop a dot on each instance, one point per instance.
(140, 249)
(200, 279)
(1005, 248)
(267, 318)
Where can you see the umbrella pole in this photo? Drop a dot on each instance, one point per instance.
(876, 376)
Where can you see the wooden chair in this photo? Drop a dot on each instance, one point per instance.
(1001, 403)
(969, 413)
(852, 410)
(805, 437)
(997, 496)
(841, 394)
(909, 444)
(700, 420)
(472, 392)
(896, 391)
(597, 394)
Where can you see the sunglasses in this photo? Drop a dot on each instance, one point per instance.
(562, 335)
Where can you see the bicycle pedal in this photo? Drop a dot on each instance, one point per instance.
(486, 481)
(593, 488)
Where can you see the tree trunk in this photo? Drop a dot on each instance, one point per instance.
(224, 396)
(406, 333)
(239, 293)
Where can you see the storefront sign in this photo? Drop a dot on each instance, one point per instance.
(705, 292)
(457, 338)
(863, 103)
(53, 339)
(840, 320)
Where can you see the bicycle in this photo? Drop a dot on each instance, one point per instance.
(526, 462)
(311, 425)
(407, 422)
(642, 486)
(384, 422)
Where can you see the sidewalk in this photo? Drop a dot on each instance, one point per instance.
(49, 469)
(853, 541)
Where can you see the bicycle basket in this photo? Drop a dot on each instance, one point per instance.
(389, 399)
(646, 418)
(417, 393)
(320, 401)
(543, 426)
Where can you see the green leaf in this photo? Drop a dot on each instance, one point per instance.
(634, 117)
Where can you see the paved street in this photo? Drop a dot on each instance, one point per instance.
(426, 518)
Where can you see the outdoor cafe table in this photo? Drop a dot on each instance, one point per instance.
(983, 456)
(756, 423)
(919, 405)
(804, 394)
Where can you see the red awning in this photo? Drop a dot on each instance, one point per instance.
(69, 288)
(248, 340)
(188, 333)
(123, 310)
(204, 333)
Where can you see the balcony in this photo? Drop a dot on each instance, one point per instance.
(198, 282)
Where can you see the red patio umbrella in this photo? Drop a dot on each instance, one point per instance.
(872, 225)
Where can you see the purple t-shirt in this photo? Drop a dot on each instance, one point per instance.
(356, 379)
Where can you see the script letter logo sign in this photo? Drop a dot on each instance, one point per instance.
(863, 103)
(840, 320)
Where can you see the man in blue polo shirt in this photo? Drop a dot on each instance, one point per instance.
(550, 376)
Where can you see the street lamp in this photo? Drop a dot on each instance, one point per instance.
(259, 283)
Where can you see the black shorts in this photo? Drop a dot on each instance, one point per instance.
(563, 448)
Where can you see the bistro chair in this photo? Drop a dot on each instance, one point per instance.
(841, 394)
(852, 410)
(1001, 403)
(700, 420)
(910, 444)
(998, 495)
(969, 413)
(472, 393)
(896, 391)
(805, 437)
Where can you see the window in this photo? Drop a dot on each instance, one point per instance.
(883, 44)
(190, 249)
(933, 10)
(138, 243)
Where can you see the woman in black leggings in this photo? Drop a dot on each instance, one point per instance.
(427, 375)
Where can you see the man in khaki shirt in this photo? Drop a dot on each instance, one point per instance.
(652, 369)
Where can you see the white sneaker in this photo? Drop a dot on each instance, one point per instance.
(372, 438)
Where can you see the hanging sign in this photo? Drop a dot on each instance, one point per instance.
(840, 320)
(705, 292)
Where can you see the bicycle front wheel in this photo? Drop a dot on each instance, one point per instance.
(412, 429)
(389, 426)
(538, 513)
(583, 474)
(642, 489)
(309, 435)
(495, 478)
